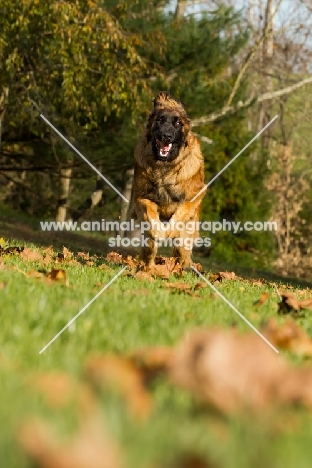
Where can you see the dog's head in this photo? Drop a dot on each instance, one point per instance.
(167, 128)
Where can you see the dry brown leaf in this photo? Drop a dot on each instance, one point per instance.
(60, 389)
(227, 275)
(67, 254)
(200, 285)
(121, 375)
(192, 460)
(36, 274)
(198, 267)
(144, 276)
(288, 304)
(47, 259)
(153, 361)
(160, 271)
(29, 255)
(231, 371)
(306, 304)
(2, 285)
(83, 255)
(90, 447)
(257, 283)
(289, 336)
(221, 276)
(48, 251)
(57, 275)
(132, 263)
(104, 267)
(114, 257)
(263, 298)
(180, 287)
(171, 263)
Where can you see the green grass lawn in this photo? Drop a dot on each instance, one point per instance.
(129, 315)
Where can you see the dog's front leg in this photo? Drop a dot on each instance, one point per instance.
(148, 215)
(187, 212)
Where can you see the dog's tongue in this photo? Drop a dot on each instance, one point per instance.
(165, 147)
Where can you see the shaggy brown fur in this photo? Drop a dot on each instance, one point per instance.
(165, 181)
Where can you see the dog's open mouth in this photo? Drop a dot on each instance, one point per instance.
(164, 148)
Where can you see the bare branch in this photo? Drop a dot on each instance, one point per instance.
(251, 55)
(227, 110)
(203, 138)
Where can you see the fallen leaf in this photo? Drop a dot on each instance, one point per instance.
(160, 271)
(227, 275)
(153, 361)
(180, 287)
(263, 298)
(306, 304)
(47, 259)
(83, 256)
(221, 276)
(233, 372)
(31, 256)
(288, 304)
(48, 251)
(121, 375)
(57, 275)
(60, 389)
(257, 283)
(171, 263)
(36, 274)
(192, 460)
(67, 254)
(89, 447)
(288, 336)
(114, 257)
(2, 285)
(200, 285)
(198, 267)
(144, 276)
(104, 267)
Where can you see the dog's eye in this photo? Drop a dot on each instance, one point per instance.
(177, 123)
(161, 119)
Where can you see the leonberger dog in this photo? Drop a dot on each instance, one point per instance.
(168, 173)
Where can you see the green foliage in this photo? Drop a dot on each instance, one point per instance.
(93, 67)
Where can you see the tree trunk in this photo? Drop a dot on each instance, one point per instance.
(180, 9)
(65, 175)
(267, 65)
(3, 102)
(92, 201)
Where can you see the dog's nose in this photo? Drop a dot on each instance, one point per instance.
(167, 135)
